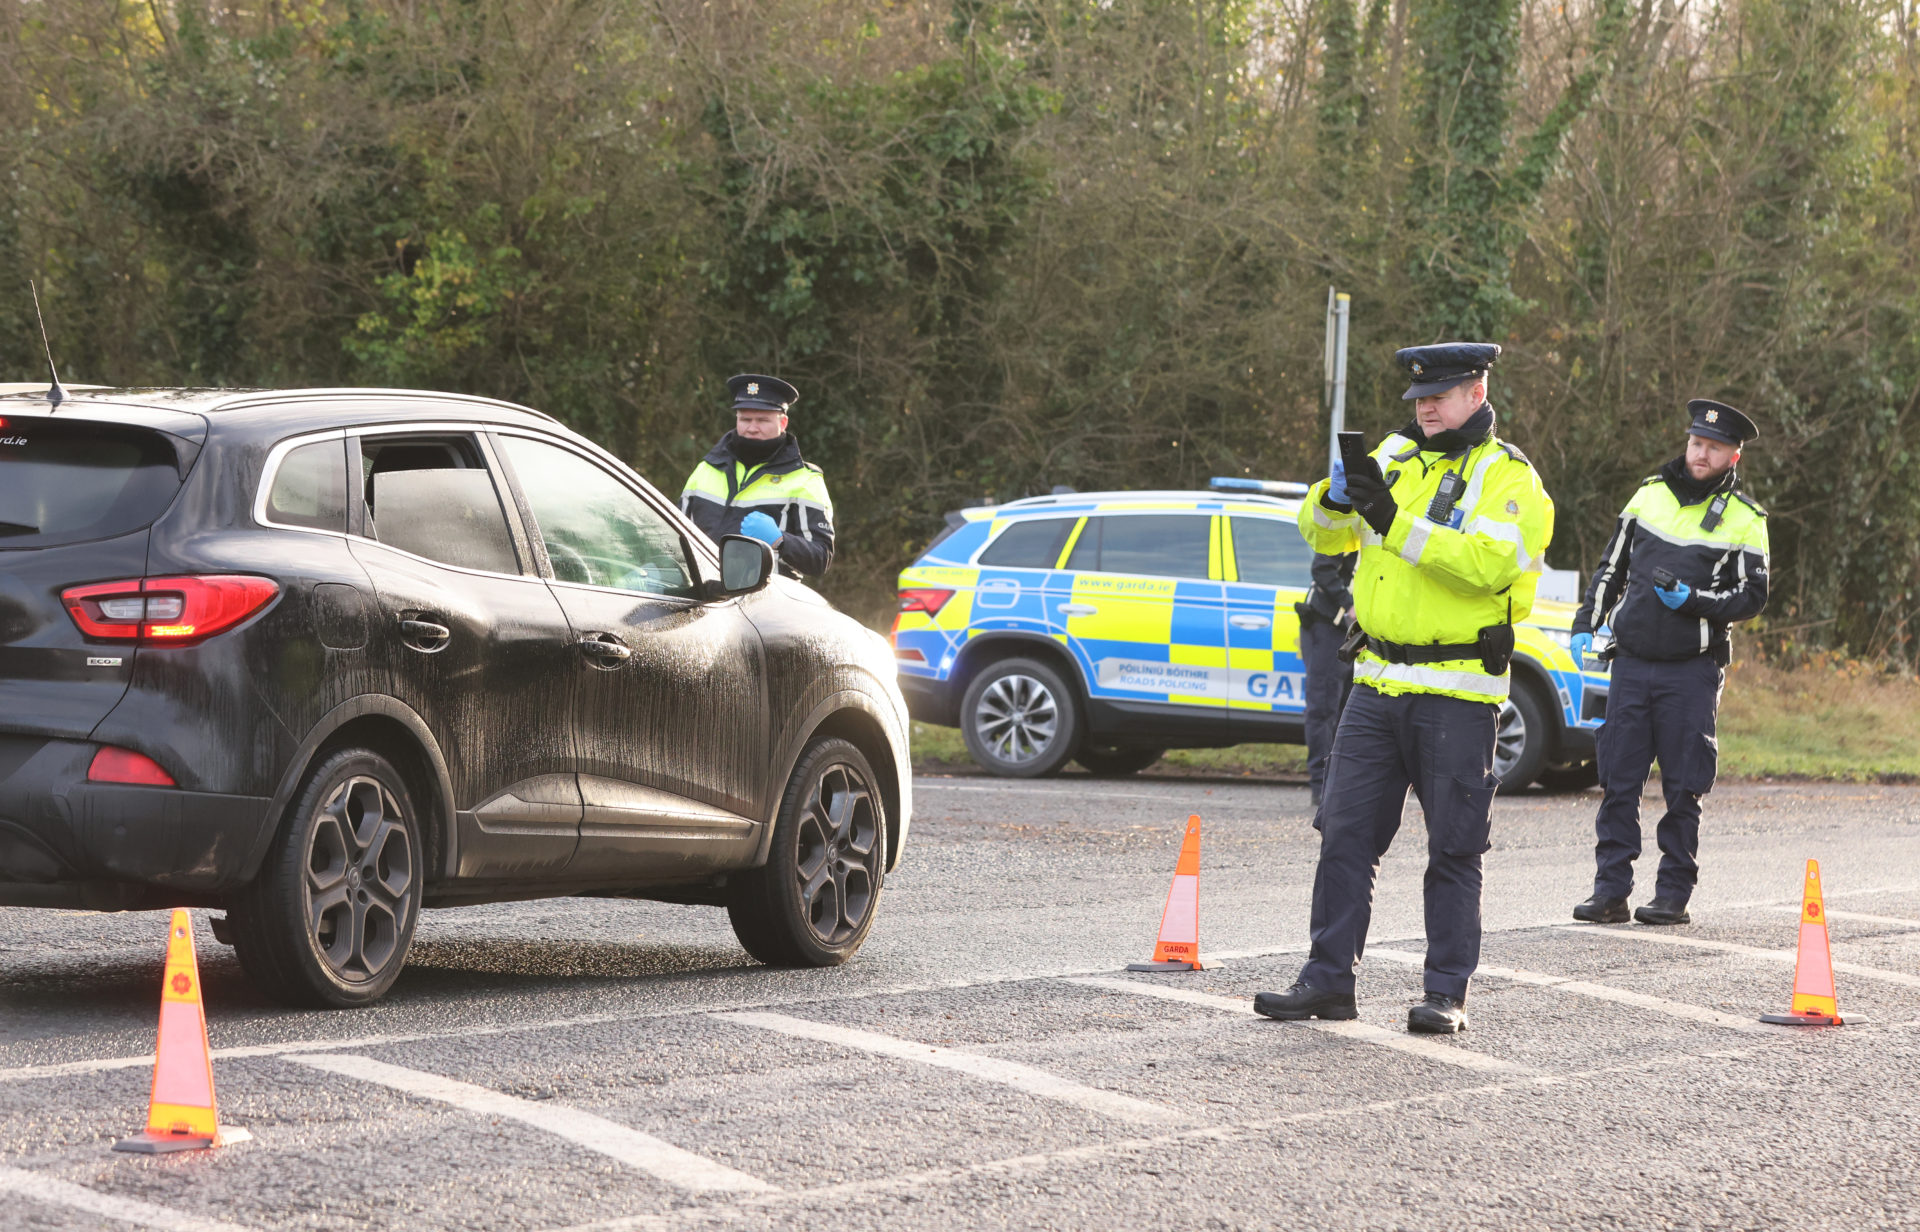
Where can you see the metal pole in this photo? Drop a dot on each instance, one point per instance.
(1338, 315)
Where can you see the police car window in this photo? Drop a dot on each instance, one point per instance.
(1086, 549)
(1165, 545)
(597, 530)
(1271, 552)
(1029, 545)
(310, 488)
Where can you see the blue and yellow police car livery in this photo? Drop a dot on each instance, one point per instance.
(1111, 626)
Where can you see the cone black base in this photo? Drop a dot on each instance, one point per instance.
(1202, 965)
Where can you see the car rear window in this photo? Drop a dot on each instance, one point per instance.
(70, 481)
(1158, 544)
(1029, 545)
(1272, 553)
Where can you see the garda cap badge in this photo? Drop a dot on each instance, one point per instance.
(1418, 369)
(1713, 416)
(753, 387)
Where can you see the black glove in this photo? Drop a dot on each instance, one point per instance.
(1368, 490)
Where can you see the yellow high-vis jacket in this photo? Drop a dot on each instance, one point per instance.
(1431, 583)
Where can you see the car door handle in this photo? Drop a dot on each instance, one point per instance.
(605, 650)
(1078, 609)
(1250, 622)
(425, 636)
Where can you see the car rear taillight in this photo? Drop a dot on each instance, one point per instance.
(924, 600)
(172, 610)
(116, 765)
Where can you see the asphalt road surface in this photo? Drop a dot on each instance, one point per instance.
(986, 1063)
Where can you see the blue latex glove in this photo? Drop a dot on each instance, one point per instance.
(1337, 488)
(1580, 647)
(759, 526)
(1675, 597)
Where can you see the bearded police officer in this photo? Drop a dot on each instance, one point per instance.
(754, 482)
(1688, 558)
(1451, 525)
(1324, 618)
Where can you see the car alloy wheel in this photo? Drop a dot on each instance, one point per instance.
(1017, 717)
(329, 919)
(360, 879)
(813, 902)
(1521, 736)
(837, 864)
(1020, 718)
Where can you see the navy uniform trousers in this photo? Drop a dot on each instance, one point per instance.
(1663, 711)
(1442, 748)
(1328, 681)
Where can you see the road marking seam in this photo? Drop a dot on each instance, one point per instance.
(1586, 988)
(1019, 1076)
(1749, 951)
(56, 1192)
(739, 1209)
(644, 1152)
(1363, 1032)
(1857, 917)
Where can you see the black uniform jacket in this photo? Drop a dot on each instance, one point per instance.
(1712, 536)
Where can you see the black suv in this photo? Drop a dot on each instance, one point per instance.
(325, 657)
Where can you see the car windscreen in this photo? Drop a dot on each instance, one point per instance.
(70, 481)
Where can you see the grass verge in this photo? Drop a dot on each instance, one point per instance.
(1830, 720)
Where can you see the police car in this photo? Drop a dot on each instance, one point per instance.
(1108, 627)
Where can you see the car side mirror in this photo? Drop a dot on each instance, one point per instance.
(745, 566)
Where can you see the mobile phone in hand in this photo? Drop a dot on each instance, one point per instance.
(1353, 449)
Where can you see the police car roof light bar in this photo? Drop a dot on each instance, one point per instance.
(1266, 487)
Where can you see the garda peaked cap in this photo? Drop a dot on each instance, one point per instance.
(1719, 422)
(1438, 368)
(752, 392)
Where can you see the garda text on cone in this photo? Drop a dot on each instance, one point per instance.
(1178, 946)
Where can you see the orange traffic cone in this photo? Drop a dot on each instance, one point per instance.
(1814, 1001)
(1179, 946)
(180, 1113)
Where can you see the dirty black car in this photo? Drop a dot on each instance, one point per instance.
(323, 658)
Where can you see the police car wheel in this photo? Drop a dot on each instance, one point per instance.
(1520, 740)
(1019, 719)
(813, 902)
(1107, 759)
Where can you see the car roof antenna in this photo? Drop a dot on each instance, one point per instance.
(55, 395)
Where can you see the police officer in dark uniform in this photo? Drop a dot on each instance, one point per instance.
(1687, 558)
(754, 481)
(1325, 616)
(1451, 527)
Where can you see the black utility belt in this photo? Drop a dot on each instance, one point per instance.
(1494, 649)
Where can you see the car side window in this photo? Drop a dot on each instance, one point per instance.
(1270, 552)
(1033, 544)
(310, 488)
(434, 497)
(1157, 544)
(597, 530)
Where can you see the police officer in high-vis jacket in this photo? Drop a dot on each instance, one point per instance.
(1451, 526)
(754, 482)
(1688, 558)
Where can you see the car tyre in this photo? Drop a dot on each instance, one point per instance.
(1116, 761)
(1019, 719)
(330, 918)
(1521, 739)
(813, 902)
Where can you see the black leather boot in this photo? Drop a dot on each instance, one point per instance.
(1597, 910)
(1439, 1014)
(1306, 1001)
(1663, 911)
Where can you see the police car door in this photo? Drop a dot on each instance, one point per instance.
(1146, 622)
(1269, 569)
